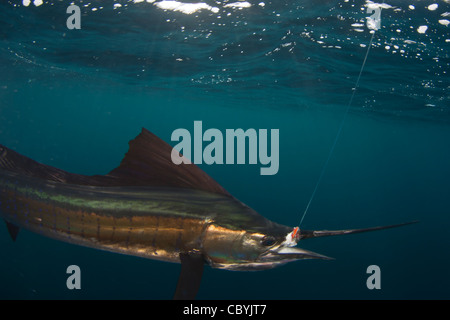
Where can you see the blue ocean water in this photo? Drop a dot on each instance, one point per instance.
(74, 98)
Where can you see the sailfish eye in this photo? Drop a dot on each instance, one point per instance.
(268, 241)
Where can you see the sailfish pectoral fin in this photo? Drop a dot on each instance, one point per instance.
(190, 276)
(12, 229)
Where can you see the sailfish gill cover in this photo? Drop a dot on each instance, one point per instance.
(73, 98)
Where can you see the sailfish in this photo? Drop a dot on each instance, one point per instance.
(152, 208)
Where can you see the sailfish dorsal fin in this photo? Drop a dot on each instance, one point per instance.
(148, 162)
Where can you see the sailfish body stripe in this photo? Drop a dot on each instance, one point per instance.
(159, 226)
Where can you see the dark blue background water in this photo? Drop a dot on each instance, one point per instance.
(74, 98)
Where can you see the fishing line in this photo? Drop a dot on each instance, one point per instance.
(339, 131)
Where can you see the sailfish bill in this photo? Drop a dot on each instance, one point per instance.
(305, 234)
(149, 207)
